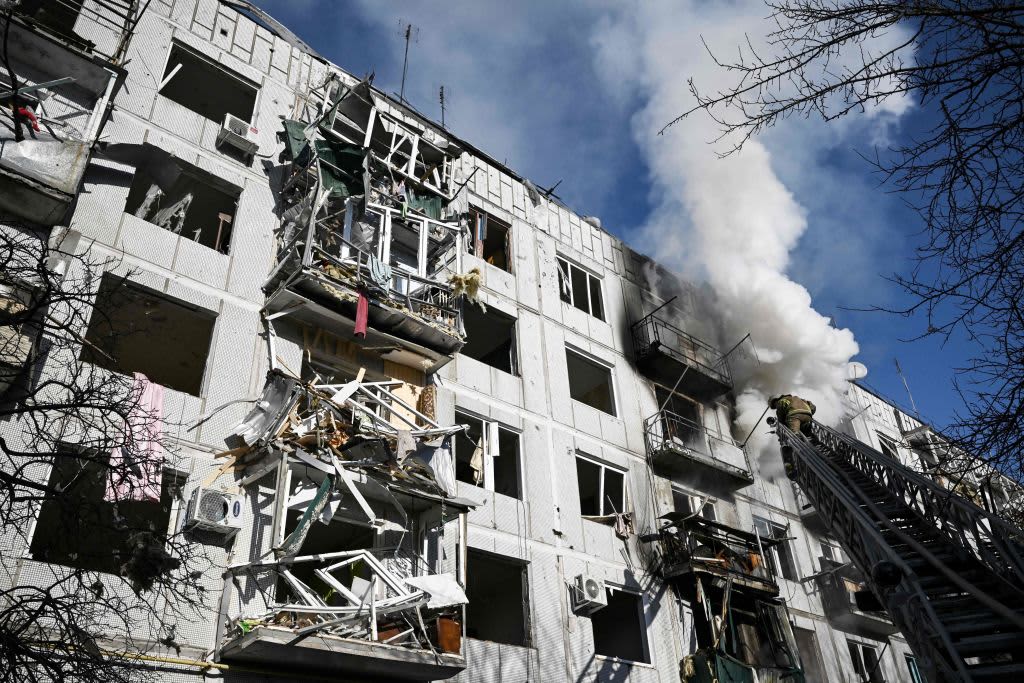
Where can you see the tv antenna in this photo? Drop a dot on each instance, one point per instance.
(410, 33)
(444, 102)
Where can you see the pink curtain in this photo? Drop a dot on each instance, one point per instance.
(138, 474)
(362, 315)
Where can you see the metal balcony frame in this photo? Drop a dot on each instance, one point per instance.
(656, 441)
(648, 333)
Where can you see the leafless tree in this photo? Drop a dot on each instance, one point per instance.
(962, 64)
(107, 582)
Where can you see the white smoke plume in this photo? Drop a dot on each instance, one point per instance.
(728, 221)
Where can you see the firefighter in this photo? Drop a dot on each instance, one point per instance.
(794, 412)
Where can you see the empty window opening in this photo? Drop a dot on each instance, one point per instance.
(680, 420)
(831, 554)
(602, 488)
(80, 529)
(336, 536)
(810, 656)
(619, 629)
(491, 239)
(865, 662)
(132, 329)
(590, 382)
(499, 599)
(487, 455)
(780, 556)
(706, 508)
(579, 288)
(490, 338)
(207, 88)
(188, 201)
(58, 16)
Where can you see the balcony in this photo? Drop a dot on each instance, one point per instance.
(840, 585)
(401, 265)
(717, 554)
(663, 352)
(676, 445)
(67, 88)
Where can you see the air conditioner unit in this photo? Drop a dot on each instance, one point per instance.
(590, 594)
(239, 134)
(214, 510)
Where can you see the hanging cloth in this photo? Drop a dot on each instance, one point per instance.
(136, 468)
(362, 315)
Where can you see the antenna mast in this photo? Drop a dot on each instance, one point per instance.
(442, 106)
(906, 386)
(405, 63)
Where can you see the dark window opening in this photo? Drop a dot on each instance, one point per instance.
(490, 338)
(469, 450)
(619, 629)
(82, 530)
(491, 239)
(810, 656)
(207, 88)
(865, 662)
(590, 382)
(779, 556)
(579, 288)
(680, 420)
(499, 599)
(132, 329)
(188, 201)
(61, 17)
(506, 464)
(602, 488)
(336, 536)
(888, 447)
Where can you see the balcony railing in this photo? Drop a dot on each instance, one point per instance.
(675, 443)
(664, 351)
(840, 583)
(700, 546)
(350, 612)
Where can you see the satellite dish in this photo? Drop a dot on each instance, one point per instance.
(855, 371)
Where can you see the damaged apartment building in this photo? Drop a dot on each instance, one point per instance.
(430, 423)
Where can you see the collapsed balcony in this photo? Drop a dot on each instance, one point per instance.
(700, 551)
(364, 252)
(64, 90)
(676, 443)
(366, 573)
(849, 603)
(669, 355)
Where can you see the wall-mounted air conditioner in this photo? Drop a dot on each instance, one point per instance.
(214, 510)
(238, 134)
(590, 594)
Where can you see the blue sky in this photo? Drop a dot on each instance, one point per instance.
(564, 91)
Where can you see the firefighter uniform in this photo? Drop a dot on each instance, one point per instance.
(794, 412)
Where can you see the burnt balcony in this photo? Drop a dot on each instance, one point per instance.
(663, 352)
(848, 602)
(401, 265)
(676, 445)
(718, 554)
(64, 90)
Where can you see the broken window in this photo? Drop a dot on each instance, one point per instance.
(580, 288)
(133, 329)
(590, 382)
(499, 599)
(82, 530)
(865, 662)
(888, 446)
(780, 556)
(915, 673)
(831, 554)
(680, 420)
(491, 239)
(619, 629)
(206, 87)
(707, 509)
(602, 488)
(810, 655)
(177, 196)
(487, 455)
(490, 338)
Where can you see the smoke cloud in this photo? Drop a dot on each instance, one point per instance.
(730, 222)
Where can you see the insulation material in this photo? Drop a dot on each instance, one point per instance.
(444, 590)
(136, 470)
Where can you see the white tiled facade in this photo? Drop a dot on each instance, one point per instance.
(545, 528)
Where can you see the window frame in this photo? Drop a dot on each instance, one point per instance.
(524, 567)
(591, 279)
(228, 71)
(491, 435)
(886, 442)
(593, 360)
(474, 213)
(913, 668)
(603, 466)
(860, 668)
(779, 568)
(514, 368)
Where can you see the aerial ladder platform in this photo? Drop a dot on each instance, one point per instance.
(950, 574)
